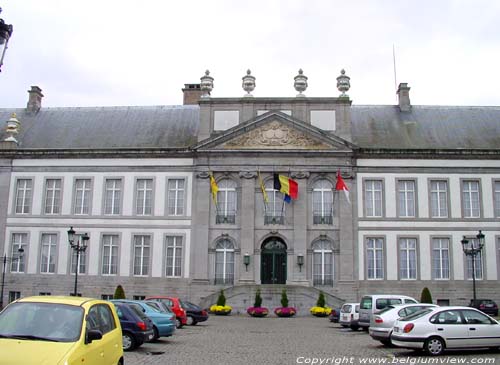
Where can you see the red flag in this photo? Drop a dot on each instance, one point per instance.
(342, 186)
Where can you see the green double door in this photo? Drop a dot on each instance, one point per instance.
(273, 262)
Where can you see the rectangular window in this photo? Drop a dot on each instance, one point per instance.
(175, 196)
(142, 247)
(112, 196)
(48, 254)
(14, 295)
(83, 194)
(373, 198)
(173, 256)
(406, 198)
(439, 199)
(408, 258)
(19, 241)
(106, 296)
(440, 258)
(375, 258)
(144, 197)
(471, 199)
(24, 192)
(53, 196)
(139, 297)
(109, 254)
(475, 262)
(496, 197)
(81, 260)
(44, 293)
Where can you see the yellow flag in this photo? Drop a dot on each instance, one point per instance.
(263, 188)
(214, 188)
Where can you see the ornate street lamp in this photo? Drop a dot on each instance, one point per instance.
(79, 246)
(5, 33)
(472, 248)
(5, 261)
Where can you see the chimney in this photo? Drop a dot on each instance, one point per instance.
(35, 100)
(404, 97)
(192, 93)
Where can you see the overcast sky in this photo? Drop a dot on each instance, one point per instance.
(124, 52)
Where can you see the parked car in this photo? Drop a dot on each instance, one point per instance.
(437, 329)
(334, 315)
(382, 322)
(370, 304)
(137, 328)
(487, 306)
(175, 304)
(349, 315)
(194, 313)
(60, 330)
(163, 323)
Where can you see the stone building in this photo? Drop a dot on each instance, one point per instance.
(138, 181)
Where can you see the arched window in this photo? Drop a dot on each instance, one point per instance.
(275, 207)
(226, 202)
(322, 263)
(322, 202)
(224, 262)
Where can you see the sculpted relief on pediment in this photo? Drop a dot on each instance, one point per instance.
(276, 135)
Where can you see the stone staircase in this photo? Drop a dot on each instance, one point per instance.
(241, 297)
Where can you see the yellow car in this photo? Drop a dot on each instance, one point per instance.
(51, 330)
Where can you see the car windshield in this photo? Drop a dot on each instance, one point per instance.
(346, 308)
(417, 314)
(41, 322)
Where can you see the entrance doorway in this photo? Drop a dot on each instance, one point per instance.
(273, 261)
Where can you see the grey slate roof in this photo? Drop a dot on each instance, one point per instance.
(106, 127)
(424, 127)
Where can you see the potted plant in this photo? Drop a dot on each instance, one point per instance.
(321, 309)
(285, 310)
(221, 309)
(257, 310)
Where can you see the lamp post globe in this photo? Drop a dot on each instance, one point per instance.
(5, 34)
(471, 249)
(79, 245)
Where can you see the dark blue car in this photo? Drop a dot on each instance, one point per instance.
(137, 328)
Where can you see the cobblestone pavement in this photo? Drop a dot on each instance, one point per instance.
(245, 340)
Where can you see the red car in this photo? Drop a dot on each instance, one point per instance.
(175, 304)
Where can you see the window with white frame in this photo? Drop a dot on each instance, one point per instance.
(224, 262)
(226, 201)
(322, 262)
(173, 261)
(83, 194)
(175, 196)
(19, 241)
(441, 258)
(48, 253)
(496, 193)
(375, 258)
(79, 260)
(24, 191)
(406, 198)
(112, 196)
(471, 199)
(275, 207)
(142, 253)
(110, 247)
(407, 258)
(322, 202)
(144, 197)
(14, 295)
(439, 198)
(477, 263)
(373, 198)
(53, 196)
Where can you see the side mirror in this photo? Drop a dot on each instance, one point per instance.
(93, 335)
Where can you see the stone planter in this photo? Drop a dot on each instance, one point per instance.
(285, 311)
(258, 311)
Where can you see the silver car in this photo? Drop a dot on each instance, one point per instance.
(349, 315)
(382, 322)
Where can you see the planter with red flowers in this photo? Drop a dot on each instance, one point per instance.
(258, 310)
(284, 310)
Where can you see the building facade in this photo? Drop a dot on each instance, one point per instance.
(139, 181)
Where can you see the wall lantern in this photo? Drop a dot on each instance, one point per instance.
(246, 260)
(300, 261)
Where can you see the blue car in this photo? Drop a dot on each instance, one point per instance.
(137, 327)
(163, 323)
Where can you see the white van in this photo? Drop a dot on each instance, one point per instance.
(370, 304)
(349, 315)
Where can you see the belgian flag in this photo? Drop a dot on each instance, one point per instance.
(286, 186)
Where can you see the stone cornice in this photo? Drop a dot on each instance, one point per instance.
(427, 153)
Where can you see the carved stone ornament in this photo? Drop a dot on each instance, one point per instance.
(343, 84)
(12, 128)
(300, 83)
(248, 83)
(206, 84)
(300, 174)
(276, 135)
(203, 175)
(247, 174)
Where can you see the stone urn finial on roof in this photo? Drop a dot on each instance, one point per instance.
(12, 128)
(343, 84)
(300, 83)
(248, 83)
(206, 84)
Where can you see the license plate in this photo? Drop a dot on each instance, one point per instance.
(396, 329)
(345, 318)
(150, 337)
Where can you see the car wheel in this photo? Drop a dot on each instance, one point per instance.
(190, 321)
(354, 328)
(156, 335)
(434, 346)
(178, 323)
(386, 342)
(344, 325)
(128, 342)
